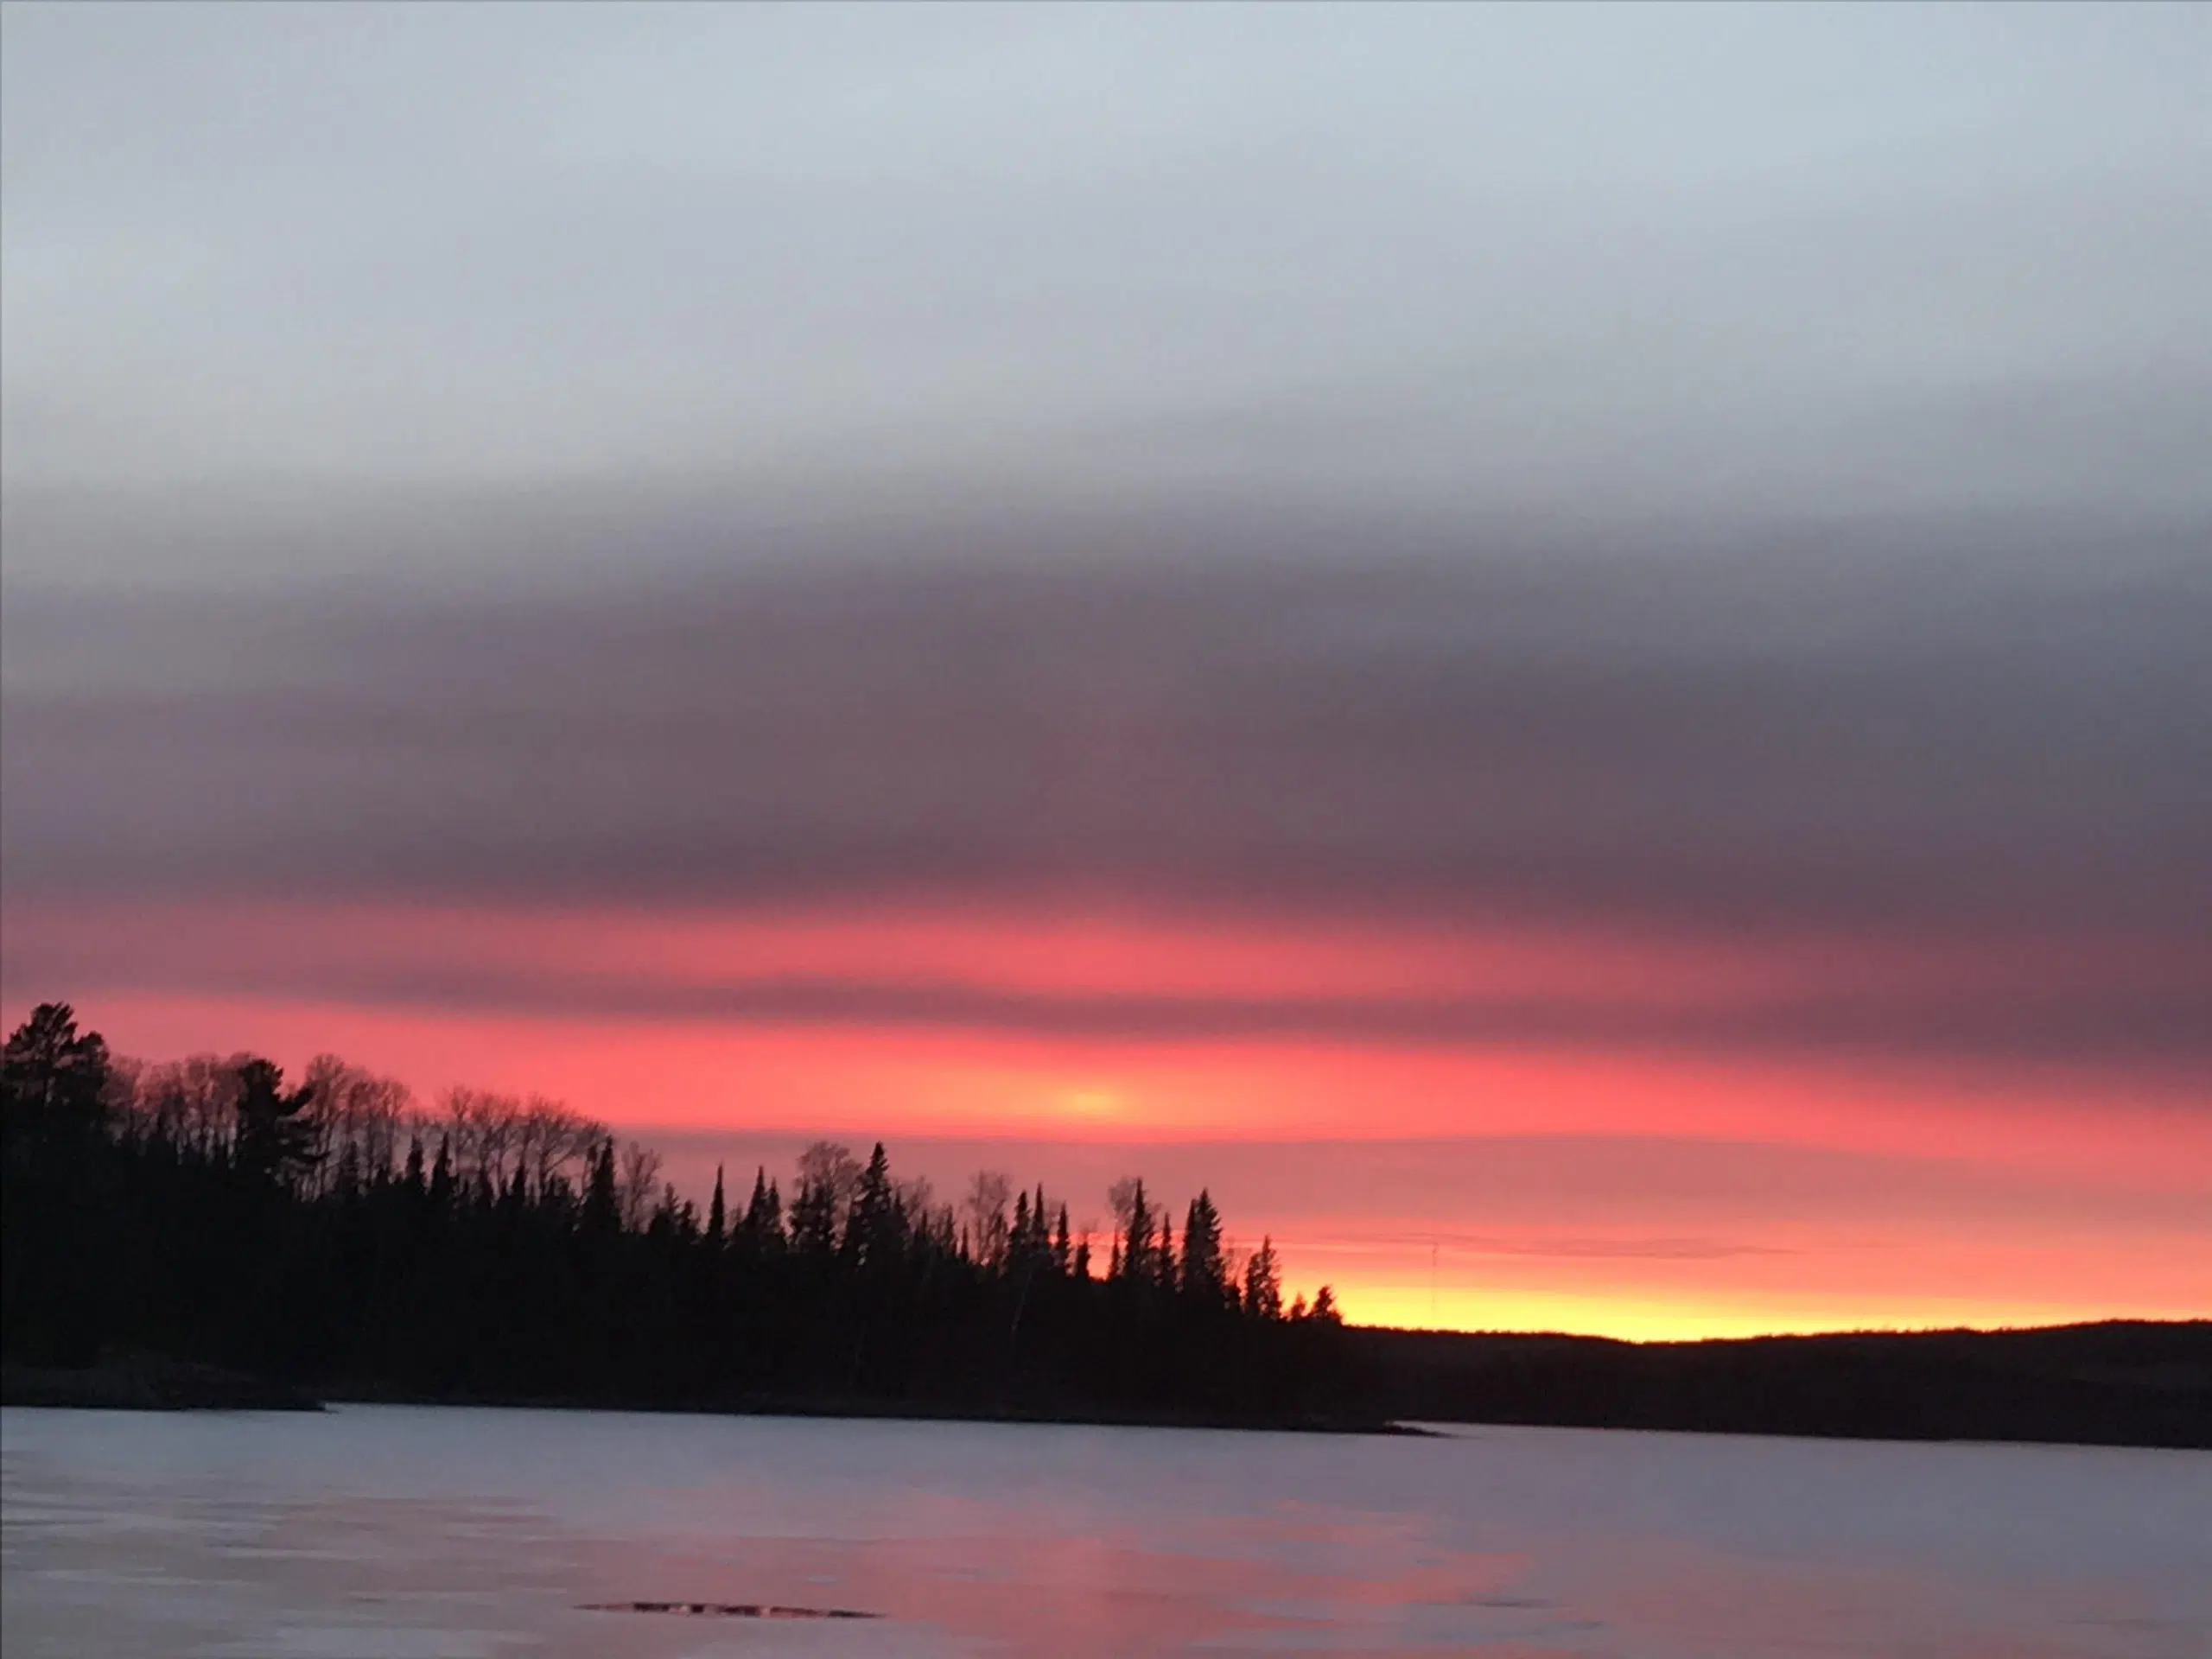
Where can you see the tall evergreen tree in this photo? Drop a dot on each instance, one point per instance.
(53, 1078)
(1203, 1276)
(814, 1219)
(762, 1229)
(275, 1140)
(602, 1196)
(1263, 1282)
(1133, 1258)
(872, 1229)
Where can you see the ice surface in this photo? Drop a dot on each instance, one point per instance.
(398, 1533)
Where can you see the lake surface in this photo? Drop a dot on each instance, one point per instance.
(423, 1533)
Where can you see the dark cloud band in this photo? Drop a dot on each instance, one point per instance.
(1846, 737)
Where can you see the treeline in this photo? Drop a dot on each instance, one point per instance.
(327, 1234)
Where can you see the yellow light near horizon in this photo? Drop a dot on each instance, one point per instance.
(1663, 1320)
(1090, 1103)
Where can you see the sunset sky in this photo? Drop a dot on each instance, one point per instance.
(1563, 650)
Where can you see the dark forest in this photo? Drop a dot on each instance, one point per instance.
(322, 1233)
(207, 1232)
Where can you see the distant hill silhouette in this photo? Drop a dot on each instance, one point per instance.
(2121, 1383)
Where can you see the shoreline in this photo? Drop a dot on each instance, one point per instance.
(2123, 1383)
(148, 1385)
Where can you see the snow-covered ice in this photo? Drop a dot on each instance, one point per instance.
(404, 1533)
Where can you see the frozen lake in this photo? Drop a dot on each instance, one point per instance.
(398, 1533)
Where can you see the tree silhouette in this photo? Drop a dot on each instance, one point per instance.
(1204, 1276)
(206, 1210)
(827, 1178)
(53, 1078)
(718, 1214)
(1263, 1282)
(1133, 1255)
(871, 1231)
(602, 1199)
(761, 1232)
(988, 1191)
(276, 1141)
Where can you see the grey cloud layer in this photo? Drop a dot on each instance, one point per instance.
(1735, 467)
(2162, 1030)
(1876, 735)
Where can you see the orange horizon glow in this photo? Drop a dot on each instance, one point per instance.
(1796, 1191)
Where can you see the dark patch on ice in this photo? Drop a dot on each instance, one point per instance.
(723, 1609)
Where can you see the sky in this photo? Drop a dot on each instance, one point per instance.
(1562, 650)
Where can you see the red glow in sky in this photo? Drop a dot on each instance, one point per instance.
(1621, 1183)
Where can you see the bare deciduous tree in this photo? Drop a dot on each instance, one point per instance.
(1122, 1199)
(830, 1168)
(359, 1119)
(483, 1127)
(988, 1192)
(637, 1184)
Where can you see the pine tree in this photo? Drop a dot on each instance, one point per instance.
(1263, 1283)
(751, 1233)
(275, 1140)
(717, 1216)
(763, 1216)
(872, 1229)
(1203, 1275)
(441, 1183)
(602, 1202)
(1132, 1259)
(814, 1219)
(54, 1078)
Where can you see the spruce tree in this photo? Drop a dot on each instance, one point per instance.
(603, 1202)
(872, 1229)
(1202, 1267)
(54, 1078)
(274, 1141)
(1133, 1258)
(1263, 1283)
